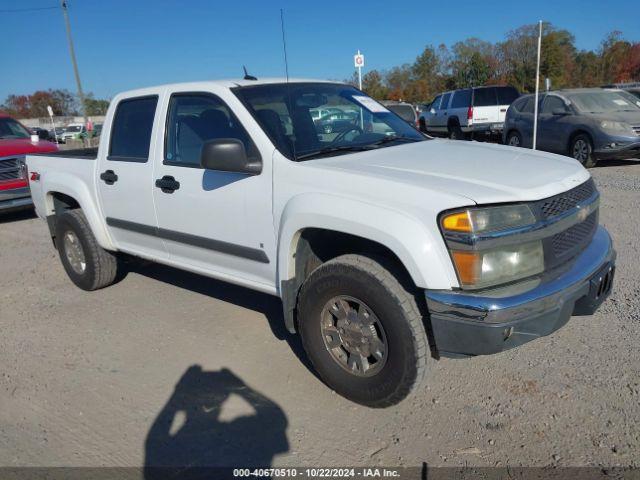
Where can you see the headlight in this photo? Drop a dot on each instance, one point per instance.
(617, 127)
(492, 219)
(479, 267)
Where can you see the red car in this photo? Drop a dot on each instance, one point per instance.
(15, 143)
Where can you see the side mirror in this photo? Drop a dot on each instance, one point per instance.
(560, 112)
(228, 155)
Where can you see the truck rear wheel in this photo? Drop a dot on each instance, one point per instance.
(362, 330)
(87, 264)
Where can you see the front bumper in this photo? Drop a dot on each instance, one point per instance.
(623, 149)
(15, 199)
(481, 323)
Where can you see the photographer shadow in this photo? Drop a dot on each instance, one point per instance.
(188, 436)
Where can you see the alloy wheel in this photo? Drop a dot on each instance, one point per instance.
(74, 252)
(354, 336)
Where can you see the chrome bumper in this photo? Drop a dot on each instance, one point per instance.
(15, 199)
(478, 323)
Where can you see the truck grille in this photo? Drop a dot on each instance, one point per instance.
(10, 169)
(575, 237)
(568, 200)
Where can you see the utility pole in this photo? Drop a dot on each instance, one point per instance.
(535, 107)
(72, 51)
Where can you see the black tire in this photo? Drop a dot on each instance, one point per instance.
(455, 132)
(100, 266)
(422, 125)
(581, 149)
(514, 139)
(377, 286)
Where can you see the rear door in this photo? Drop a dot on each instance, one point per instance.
(460, 105)
(125, 176)
(485, 106)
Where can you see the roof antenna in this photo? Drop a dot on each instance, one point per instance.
(246, 74)
(286, 71)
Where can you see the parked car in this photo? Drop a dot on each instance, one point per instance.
(468, 112)
(404, 110)
(43, 134)
(56, 134)
(337, 122)
(370, 240)
(631, 87)
(73, 131)
(587, 124)
(15, 142)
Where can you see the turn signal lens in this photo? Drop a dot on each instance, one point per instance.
(457, 222)
(468, 266)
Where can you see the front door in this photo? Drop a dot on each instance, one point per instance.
(125, 177)
(218, 223)
(553, 125)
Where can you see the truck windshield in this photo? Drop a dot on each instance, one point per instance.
(9, 128)
(311, 120)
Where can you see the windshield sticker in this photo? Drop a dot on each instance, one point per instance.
(624, 103)
(370, 104)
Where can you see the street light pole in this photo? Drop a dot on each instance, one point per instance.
(535, 107)
(72, 51)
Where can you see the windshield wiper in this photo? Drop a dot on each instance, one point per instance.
(337, 148)
(394, 138)
(356, 148)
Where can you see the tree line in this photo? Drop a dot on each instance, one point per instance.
(475, 62)
(63, 103)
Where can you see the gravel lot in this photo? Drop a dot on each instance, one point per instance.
(96, 379)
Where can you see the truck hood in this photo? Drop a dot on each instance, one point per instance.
(481, 172)
(23, 146)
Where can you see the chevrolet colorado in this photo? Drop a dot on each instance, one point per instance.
(387, 249)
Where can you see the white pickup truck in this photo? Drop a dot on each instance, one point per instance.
(386, 249)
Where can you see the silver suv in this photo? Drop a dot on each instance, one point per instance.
(466, 112)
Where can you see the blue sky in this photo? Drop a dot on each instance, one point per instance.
(124, 44)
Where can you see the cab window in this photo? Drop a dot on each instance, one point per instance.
(195, 118)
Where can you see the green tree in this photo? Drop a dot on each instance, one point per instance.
(373, 85)
(95, 106)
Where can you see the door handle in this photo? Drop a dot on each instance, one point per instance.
(167, 184)
(109, 177)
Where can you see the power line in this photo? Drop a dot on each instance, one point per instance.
(35, 9)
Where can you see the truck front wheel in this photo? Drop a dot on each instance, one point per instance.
(363, 330)
(87, 264)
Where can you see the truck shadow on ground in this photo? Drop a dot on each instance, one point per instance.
(17, 216)
(268, 305)
(188, 436)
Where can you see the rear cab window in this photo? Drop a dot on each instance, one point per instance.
(131, 129)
